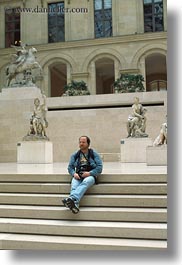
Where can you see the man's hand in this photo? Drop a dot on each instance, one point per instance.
(76, 176)
(85, 174)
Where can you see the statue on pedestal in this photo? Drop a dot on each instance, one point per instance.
(19, 72)
(38, 122)
(136, 124)
(161, 139)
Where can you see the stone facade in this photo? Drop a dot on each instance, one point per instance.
(81, 56)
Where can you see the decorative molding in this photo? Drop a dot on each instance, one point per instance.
(52, 58)
(129, 71)
(103, 52)
(95, 42)
(80, 74)
(149, 49)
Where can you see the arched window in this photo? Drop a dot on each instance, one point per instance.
(156, 72)
(104, 75)
(158, 85)
(58, 79)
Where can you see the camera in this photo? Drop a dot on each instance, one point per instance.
(82, 169)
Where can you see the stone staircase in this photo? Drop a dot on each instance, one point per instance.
(122, 212)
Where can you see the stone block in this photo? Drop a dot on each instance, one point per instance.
(133, 150)
(20, 93)
(110, 157)
(156, 155)
(35, 152)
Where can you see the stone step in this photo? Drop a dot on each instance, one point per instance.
(154, 201)
(42, 242)
(86, 213)
(84, 228)
(122, 212)
(104, 178)
(136, 188)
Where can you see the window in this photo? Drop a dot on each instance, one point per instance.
(158, 85)
(56, 22)
(12, 27)
(103, 18)
(153, 15)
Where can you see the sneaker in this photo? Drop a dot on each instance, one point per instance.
(69, 203)
(75, 209)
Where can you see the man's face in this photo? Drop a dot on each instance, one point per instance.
(83, 143)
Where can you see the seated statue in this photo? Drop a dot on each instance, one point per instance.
(136, 124)
(38, 121)
(162, 137)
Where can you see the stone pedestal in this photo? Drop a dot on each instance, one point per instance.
(35, 152)
(133, 150)
(20, 93)
(157, 155)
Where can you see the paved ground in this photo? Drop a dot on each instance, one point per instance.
(61, 168)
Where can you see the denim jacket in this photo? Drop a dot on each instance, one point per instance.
(95, 164)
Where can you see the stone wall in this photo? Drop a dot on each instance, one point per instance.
(102, 117)
(127, 48)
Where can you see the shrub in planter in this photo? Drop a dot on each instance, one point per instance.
(127, 83)
(76, 88)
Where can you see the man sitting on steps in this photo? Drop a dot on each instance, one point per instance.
(84, 166)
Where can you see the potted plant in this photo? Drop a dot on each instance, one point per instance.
(76, 88)
(128, 83)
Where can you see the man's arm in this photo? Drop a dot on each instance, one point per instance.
(99, 165)
(71, 167)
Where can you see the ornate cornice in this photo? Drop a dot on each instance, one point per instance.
(95, 42)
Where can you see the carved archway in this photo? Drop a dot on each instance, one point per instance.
(57, 73)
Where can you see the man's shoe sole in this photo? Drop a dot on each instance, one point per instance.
(69, 203)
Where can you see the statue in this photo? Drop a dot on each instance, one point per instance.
(22, 62)
(20, 56)
(161, 139)
(38, 121)
(136, 124)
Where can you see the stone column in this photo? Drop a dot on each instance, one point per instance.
(165, 14)
(116, 70)
(143, 70)
(90, 20)
(67, 23)
(68, 73)
(115, 17)
(92, 85)
(140, 16)
(46, 84)
(2, 26)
